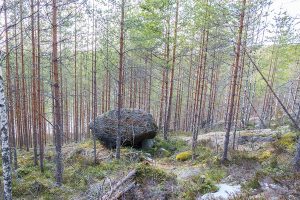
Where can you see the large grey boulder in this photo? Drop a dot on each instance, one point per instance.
(136, 126)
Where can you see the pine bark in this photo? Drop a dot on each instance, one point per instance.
(56, 96)
(11, 124)
(234, 81)
(39, 97)
(24, 105)
(33, 91)
(120, 81)
(167, 124)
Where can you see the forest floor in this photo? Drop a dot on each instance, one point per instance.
(259, 168)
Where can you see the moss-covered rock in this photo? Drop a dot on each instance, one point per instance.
(183, 156)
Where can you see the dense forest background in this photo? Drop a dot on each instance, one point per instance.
(88, 49)
(194, 65)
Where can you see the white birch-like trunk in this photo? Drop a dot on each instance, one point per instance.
(5, 143)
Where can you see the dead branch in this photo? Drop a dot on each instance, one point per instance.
(115, 187)
(120, 193)
(273, 92)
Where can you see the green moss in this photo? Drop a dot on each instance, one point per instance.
(239, 157)
(252, 184)
(250, 125)
(57, 193)
(87, 144)
(163, 153)
(198, 185)
(286, 142)
(114, 165)
(31, 182)
(75, 178)
(183, 156)
(213, 161)
(96, 172)
(265, 155)
(25, 170)
(216, 174)
(20, 188)
(273, 162)
(203, 154)
(172, 145)
(145, 172)
(49, 155)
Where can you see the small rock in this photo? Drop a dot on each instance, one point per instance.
(225, 192)
(188, 172)
(148, 143)
(161, 152)
(148, 155)
(292, 197)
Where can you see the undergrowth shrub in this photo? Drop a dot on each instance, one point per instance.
(172, 145)
(286, 143)
(75, 178)
(204, 154)
(216, 174)
(253, 183)
(240, 157)
(198, 185)
(265, 155)
(145, 172)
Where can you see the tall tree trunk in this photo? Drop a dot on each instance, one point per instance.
(199, 112)
(33, 94)
(94, 82)
(75, 115)
(7, 179)
(23, 94)
(187, 110)
(172, 72)
(150, 85)
(20, 139)
(56, 96)
(161, 108)
(40, 102)
(234, 81)
(120, 81)
(11, 124)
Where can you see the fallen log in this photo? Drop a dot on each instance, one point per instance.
(108, 195)
(120, 193)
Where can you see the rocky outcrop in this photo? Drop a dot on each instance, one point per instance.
(135, 127)
(254, 139)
